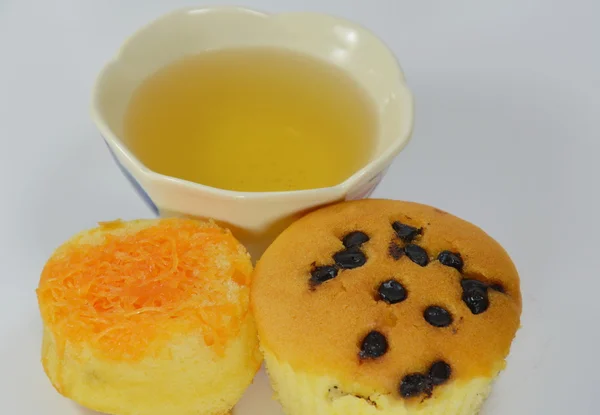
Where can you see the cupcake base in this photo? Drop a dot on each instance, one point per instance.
(302, 393)
(185, 378)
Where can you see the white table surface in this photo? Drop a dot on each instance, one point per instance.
(506, 136)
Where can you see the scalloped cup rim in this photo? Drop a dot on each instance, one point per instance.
(116, 144)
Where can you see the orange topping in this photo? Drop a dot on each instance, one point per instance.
(125, 289)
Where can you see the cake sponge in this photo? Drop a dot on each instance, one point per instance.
(149, 317)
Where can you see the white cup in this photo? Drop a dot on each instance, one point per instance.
(254, 217)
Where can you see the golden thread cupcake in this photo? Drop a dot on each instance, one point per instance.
(149, 317)
(384, 307)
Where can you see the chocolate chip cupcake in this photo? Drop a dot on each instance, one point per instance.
(384, 307)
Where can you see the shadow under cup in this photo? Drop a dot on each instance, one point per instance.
(254, 218)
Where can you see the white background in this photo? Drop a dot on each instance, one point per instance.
(506, 136)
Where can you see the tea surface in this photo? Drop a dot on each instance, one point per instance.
(252, 119)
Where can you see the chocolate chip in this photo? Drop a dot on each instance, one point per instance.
(406, 232)
(415, 384)
(439, 372)
(350, 258)
(475, 295)
(437, 316)
(355, 239)
(416, 254)
(374, 345)
(469, 284)
(498, 287)
(392, 292)
(321, 274)
(451, 259)
(395, 251)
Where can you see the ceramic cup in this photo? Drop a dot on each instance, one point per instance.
(254, 217)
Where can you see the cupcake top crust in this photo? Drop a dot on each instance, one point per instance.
(399, 296)
(125, 288)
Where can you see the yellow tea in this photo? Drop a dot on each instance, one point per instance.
(252, 119)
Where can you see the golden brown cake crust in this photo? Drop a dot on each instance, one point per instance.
(320, 330)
